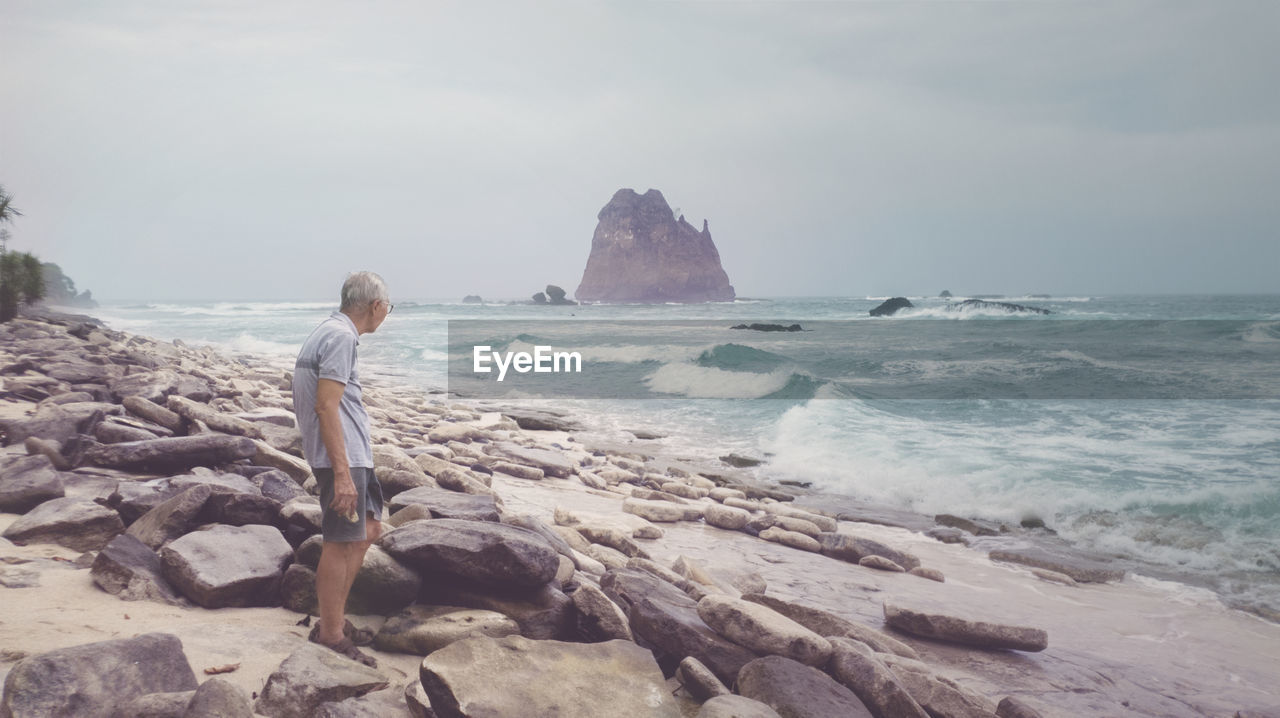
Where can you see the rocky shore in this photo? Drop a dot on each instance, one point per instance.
(160, 534)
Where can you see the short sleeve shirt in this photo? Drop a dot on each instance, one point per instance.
(330, 353)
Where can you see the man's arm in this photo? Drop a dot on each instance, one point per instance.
(328, 396)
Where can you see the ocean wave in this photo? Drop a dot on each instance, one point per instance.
(739, 357)
(1262, 333)
(246, 343)
(700, 382)
(230, 309)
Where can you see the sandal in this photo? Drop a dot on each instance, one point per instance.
(345, 647)
(358, 636)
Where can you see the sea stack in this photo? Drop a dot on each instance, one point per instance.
(641, 252)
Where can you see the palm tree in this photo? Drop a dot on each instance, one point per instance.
(7, 210)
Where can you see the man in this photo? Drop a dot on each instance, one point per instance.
(335, 441)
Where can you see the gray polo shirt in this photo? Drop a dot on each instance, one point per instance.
(330, 353)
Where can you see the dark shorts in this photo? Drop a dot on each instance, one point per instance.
(335, 527)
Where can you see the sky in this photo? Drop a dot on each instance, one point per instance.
(241, 150)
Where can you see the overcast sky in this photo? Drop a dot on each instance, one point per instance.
(247, 150)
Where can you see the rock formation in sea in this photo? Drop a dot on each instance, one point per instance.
(642, 252)
(889, 307)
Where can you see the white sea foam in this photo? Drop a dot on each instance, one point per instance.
(699, 382)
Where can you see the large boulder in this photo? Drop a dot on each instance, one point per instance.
(795, 690)
(129, 569)
(545, 678)
(312, 676)
(642, 252)
(420, 630)
(732, 706)
(763, 630)
(96, 680)
(27, 482)
(929, 623)
(228, 565)
(382, 586)
(77, 523)
(488, 553)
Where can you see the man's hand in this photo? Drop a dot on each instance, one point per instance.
(344, 495)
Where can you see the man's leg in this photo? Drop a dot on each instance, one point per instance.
(332, 586)
(355, 555)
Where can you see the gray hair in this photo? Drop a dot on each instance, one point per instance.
(362, 288)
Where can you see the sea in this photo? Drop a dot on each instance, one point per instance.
(1141, 428)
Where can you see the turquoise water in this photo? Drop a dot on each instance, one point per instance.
(995, 415)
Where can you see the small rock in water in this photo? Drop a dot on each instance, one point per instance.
(981, 634)
(932, 574)
(880, 563)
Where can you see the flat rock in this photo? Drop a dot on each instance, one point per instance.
(489, 553)
(95, 680)
(150, 385)
(160, 705)
(312, 676)
(977, 633)
(27, 482)
(791, 538)
(825, 623)
(763, 630)
(228, 565)
(853, 549)
(130, 570)
(58, 422)
(537, 420)
(661, 511)
(732, 706)
(444, 504)
(544, 612)
(795, 690)
(725, 517)
(545, 678)
(77, 523)
(386, 703)
(1081, 569)
(855, 665)
(552, 463)
(421, 630)
(880, 563)
(176, 453)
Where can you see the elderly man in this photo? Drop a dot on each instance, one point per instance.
(335, 441)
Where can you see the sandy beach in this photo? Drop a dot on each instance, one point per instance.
(1130, 647)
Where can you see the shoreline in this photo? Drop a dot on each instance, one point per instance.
(1137, 646)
